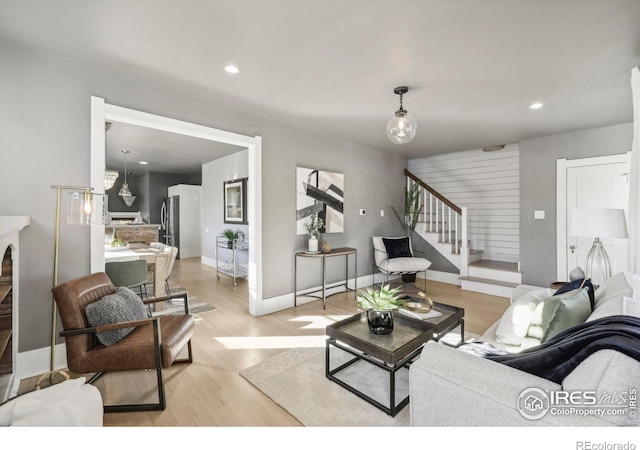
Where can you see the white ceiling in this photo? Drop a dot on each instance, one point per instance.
(330, 66)
(164, 152)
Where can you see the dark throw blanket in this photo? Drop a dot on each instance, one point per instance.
(557, 357)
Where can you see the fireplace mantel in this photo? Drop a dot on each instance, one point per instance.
(12, 224)
(10, 227)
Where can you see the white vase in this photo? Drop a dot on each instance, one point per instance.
(313, 244)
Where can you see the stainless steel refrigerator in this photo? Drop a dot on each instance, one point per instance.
(170, 222)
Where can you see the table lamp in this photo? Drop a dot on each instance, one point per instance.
(598, 223)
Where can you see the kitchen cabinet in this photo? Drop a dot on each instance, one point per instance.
(145, 233)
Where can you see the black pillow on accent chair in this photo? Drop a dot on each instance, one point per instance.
(397, 247)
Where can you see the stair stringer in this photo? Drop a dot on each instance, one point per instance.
(444, 248)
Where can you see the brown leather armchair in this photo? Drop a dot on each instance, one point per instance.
(155, 343)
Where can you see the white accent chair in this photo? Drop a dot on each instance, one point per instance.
(402, 260)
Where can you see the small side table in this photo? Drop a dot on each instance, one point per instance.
(557, 284)
(343, 251)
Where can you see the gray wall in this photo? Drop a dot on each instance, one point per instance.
(538, 250)
(214, 174)
(45, 140)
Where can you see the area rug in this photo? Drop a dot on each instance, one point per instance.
(196, 306)
(176, 306)
(296, 381)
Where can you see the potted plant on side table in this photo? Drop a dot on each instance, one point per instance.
(313, 227)
(231, 236)
(379, 305)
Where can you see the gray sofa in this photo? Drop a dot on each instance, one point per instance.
(452, 387)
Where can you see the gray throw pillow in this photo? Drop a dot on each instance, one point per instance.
(136, 305)
(110, 309)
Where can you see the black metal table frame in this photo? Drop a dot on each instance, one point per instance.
(324, 256)
(392, 409)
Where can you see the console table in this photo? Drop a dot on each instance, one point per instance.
(343, 251)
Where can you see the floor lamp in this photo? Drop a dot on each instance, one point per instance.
(598, 223)
(84, 208)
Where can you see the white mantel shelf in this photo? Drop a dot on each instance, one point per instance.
(12, 224)
(10, 227)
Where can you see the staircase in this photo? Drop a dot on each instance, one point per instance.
(444, 226)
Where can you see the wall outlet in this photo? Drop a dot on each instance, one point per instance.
(362, 212)
(382, 213)
(538, 214)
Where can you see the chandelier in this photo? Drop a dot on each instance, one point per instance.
(401, 128)
(125, 193)
(110, 177)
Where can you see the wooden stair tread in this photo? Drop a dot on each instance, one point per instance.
(488, 281)
(496, 265)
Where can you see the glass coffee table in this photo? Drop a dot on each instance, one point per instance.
(392, 352)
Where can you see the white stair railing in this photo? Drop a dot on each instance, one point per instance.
(442, 216)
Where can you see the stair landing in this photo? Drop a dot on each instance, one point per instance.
(492, 277)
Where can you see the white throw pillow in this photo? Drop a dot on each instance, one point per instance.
(620, 284)
(514, 324)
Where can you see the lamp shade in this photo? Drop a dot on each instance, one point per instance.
(599, 223)
(85, 208)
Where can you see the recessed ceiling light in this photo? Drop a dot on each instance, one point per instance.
(144, 163)
(536, 105)
(231, 69)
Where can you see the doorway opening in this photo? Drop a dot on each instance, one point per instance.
(102, 112)
(598, 182)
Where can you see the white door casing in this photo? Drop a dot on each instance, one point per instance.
(598, 182)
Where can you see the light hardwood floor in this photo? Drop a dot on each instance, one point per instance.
(210, 391)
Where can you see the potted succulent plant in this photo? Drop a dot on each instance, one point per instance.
(379, 305)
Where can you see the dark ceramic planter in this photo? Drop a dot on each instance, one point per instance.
(380, 322)
(409, 277)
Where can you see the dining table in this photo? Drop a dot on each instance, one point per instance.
(155, 257)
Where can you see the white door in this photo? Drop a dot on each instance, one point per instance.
(601, 182)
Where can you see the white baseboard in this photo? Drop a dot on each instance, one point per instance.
(444, 277)
(487, 288)
(207, 261)
(281, 302)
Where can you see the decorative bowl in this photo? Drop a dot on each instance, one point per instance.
(419, 307)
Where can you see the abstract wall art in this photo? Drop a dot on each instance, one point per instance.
(320, 192)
